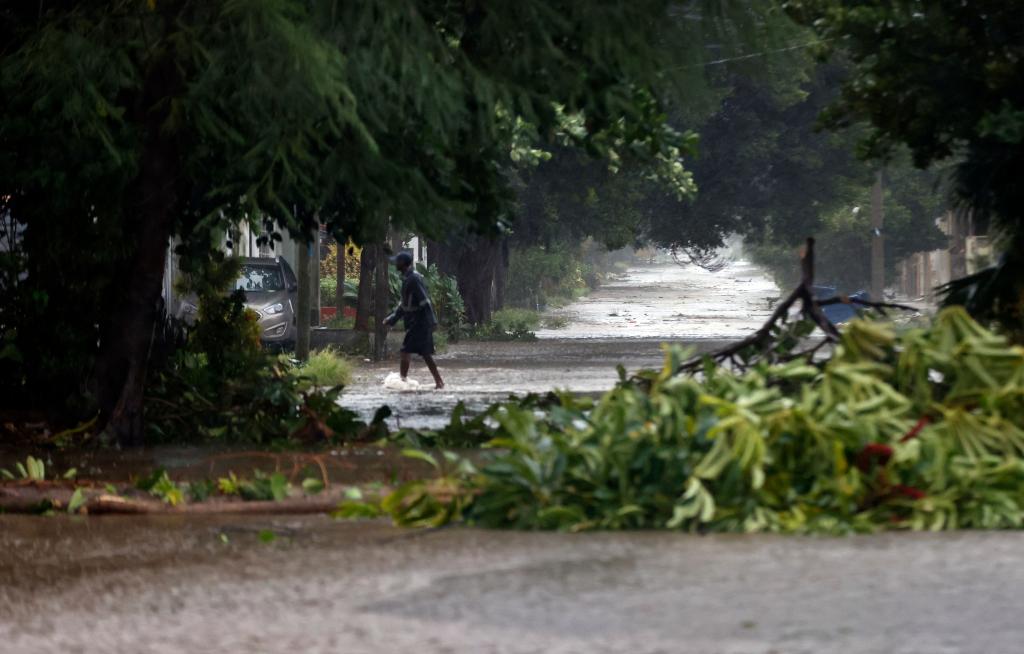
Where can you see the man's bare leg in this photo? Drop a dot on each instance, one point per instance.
(438, 382)
(404, 365)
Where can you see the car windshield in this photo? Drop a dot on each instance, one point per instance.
(256, 277)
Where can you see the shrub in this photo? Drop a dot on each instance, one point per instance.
(555, 322)
(223, 386)
(508, 324)
(226, 334)
(329, 285)
(341, 322)
(329, 262)
(324, 368)
(538, 275)
(918, 430)
(513, 323)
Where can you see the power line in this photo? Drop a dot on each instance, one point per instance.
(753, 55)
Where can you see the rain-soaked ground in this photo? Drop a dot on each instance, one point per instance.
(198, 584)
(625, 321)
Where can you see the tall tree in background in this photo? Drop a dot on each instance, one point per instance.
(763, 171)
(944, 79)
(126, 122)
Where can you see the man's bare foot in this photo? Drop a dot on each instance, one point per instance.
(439, 385)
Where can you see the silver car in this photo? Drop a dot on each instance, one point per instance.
(270, 290)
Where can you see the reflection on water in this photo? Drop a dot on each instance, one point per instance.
(625, 321)
(672, 302)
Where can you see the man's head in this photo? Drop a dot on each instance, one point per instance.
(403, 261)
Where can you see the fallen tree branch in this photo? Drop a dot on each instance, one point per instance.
(762, 341)
(37, 497)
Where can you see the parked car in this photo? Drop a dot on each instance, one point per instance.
(839, 313)
(271, 289)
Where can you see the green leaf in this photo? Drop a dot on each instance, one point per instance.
(353, 510)
(77, 501)
(279, 487)
(312, 485)
(267, 536)
(421, 456)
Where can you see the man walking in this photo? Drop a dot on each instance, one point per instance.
(417, 312)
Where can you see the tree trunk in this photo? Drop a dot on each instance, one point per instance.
(339, 294)
(304, 302)
(381, 302)
(364, 302)
(877, 241)
(501, 275)
(314, 279)
(474, 262)
(153, 204)
(397, 242)
(440, 256)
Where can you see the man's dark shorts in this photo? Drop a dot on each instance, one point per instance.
(419, 339)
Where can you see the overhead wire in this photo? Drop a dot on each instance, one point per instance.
(752, 55)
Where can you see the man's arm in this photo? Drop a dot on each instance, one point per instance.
(394, 316)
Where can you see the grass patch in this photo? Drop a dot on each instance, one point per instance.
(508, 324)
(440, 341)
(341, 322)
(512, 319)
(555, 322)
(324, 368)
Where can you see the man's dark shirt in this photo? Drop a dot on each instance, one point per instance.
(415, 308)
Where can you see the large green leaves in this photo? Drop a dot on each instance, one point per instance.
(852, 447)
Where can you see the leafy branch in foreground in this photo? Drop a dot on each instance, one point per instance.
(921, 430)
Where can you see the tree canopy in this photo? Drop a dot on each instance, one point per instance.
(942, 78)
(125, 122)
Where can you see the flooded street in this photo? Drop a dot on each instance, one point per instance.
(213, 584)
(201, 585)
(623, 322)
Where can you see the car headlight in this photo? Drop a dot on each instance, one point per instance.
(273, 309)
(276, 331)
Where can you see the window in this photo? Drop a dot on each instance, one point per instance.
(260, 278)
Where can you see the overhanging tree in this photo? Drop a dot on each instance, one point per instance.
(124, 122)
(943, 78)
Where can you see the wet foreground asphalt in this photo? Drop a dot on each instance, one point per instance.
(198, 584)
(170, 584)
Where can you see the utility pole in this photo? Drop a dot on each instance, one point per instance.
(314, 278)
(339, 293)
(304, 301)
(877, 241)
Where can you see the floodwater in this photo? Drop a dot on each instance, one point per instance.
(623, 322)
(200, 585)
(205, 584)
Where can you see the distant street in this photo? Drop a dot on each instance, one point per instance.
(624, 321)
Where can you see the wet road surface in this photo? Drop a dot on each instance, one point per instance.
(198, 584)
(171, 584)
(623, 322)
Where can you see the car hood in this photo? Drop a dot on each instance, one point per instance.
(256, 300)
